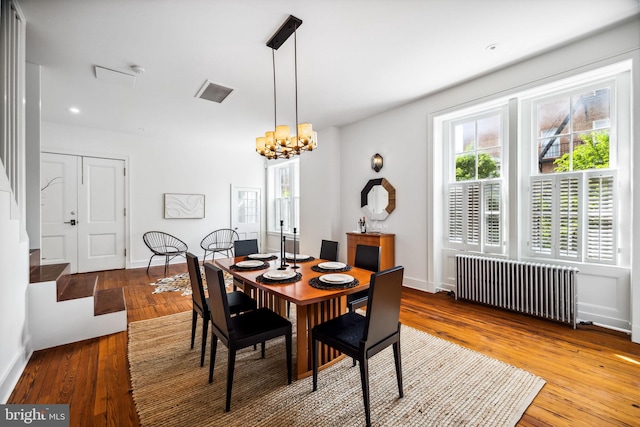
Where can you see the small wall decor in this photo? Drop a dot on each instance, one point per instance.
(183, 205)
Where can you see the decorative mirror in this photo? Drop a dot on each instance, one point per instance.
(378, 199)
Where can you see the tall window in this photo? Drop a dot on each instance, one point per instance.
(283, 196)
(474, 214)
(572, 197)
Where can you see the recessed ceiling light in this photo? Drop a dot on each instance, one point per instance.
(74, 110)
(492, 47)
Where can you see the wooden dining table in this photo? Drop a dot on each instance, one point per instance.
(313, 305)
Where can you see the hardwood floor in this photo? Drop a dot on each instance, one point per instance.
(592, 374)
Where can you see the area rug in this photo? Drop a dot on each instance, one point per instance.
(444, 385)
(182, 283)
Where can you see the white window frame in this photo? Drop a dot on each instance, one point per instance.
(469, 221)
(273, 213)
(584, 250)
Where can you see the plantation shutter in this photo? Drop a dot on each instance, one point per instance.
(541, 234)
(569, 216)
(455, 213)
(473, 214)
(601, 244)
(492, 208)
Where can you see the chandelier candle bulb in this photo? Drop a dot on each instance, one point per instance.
(270, 140)
(282, 135)
(261, 144)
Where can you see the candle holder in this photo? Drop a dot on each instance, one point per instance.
(283, 264)
(294, 250)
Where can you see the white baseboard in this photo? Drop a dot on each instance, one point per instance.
(18, 364)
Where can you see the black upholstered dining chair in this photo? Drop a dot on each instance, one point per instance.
(219, 241)
(367, 257)
(361, 337)
(164, 244)
(241, 331)
(245, 247)
(329, 250)
(239, 302)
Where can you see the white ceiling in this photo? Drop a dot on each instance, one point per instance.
(356, 58)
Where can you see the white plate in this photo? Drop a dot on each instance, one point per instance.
(298, 256)
(259, 256)
(331, 265)
(249, 264)
(336, 279)
(279, 275)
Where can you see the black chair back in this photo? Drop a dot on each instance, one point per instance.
(196, 281)
(383, 306)
(245, 247)
(329, 250)
(367, 257)
(218, 304)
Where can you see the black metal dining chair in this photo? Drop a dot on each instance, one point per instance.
(329, 250)
(219, 241)
(239, 302)
(241, 331)
(367, 257)
(361, 337)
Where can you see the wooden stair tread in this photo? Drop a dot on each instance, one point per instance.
(77, 287)
(47, 273)
(108, 301)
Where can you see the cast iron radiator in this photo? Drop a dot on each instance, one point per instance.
(547, 291)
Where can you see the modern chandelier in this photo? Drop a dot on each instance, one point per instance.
(279, 143)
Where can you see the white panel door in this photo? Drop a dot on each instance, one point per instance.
(83, 213)
(58, 200)
(101, 210)
(245, 212)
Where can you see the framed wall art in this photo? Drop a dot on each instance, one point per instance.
(181, 206)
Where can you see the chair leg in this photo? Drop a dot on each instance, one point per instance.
(288, 308)
(288, 340)
(262, 350)
(205, 330)
(396, 355)
(149, 265)
(194, 322)
(230, 368)
(314, 362)
(364, 378)
(166, 264)
(212, 358)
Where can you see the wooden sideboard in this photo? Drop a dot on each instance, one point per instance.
(384, 240)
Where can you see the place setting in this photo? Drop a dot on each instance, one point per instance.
(334, 281)
(279, 277)
(298, 257)
(331, 267)
(249, 265)
(263, 257)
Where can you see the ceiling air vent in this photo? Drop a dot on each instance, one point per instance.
(213, 92)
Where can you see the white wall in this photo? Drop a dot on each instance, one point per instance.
(32, 152)
(14, 279)
(156, 166)
(404, 137)
(320, 184)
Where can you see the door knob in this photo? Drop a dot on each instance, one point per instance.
(72, 222)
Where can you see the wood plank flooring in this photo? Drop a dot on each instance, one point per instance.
(592, 374)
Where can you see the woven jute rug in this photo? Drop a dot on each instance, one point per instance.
(444, 384)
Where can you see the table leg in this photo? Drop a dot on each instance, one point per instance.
(307, 317)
